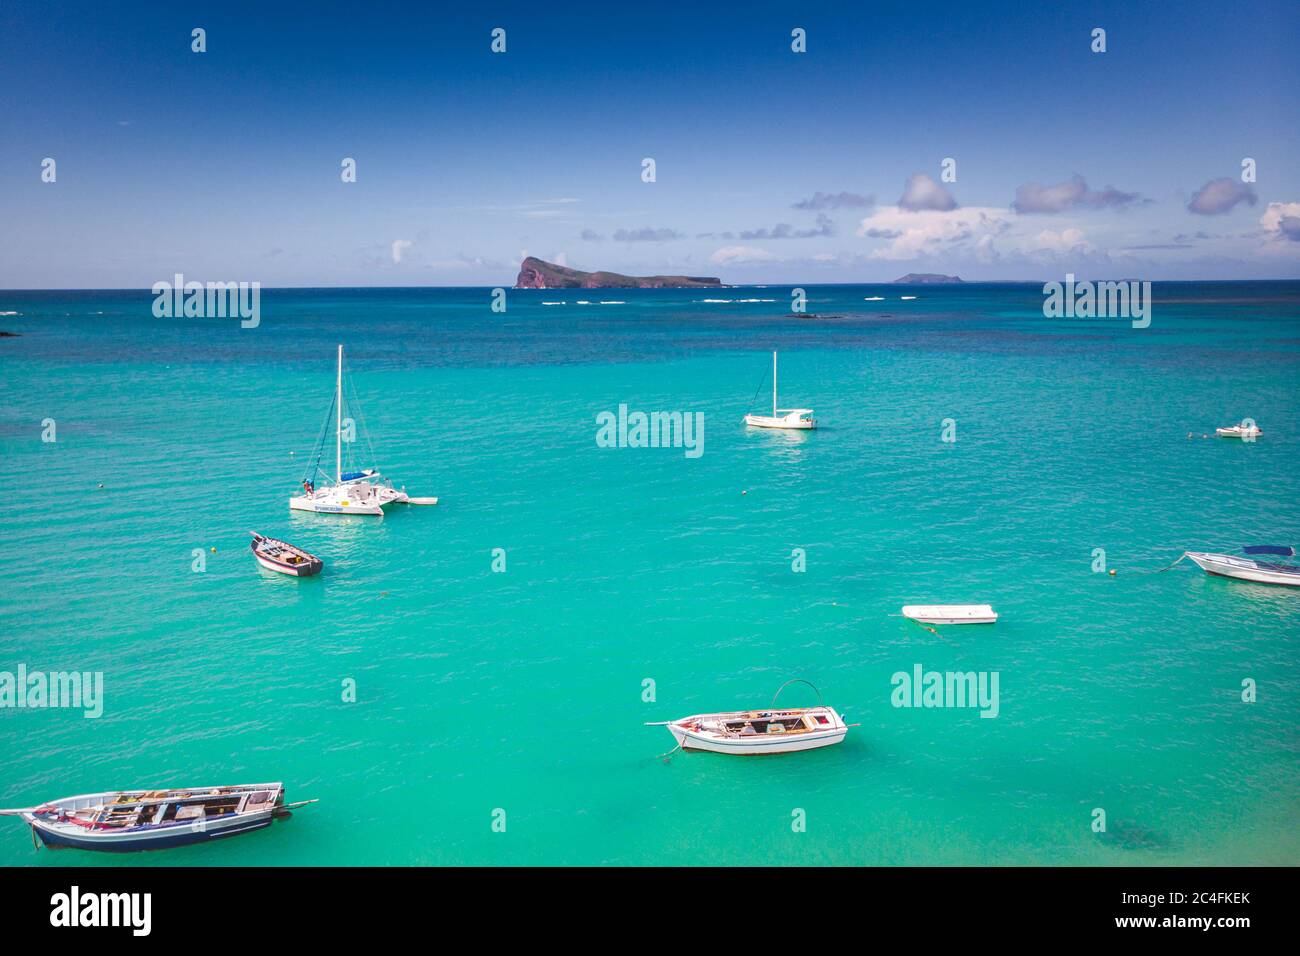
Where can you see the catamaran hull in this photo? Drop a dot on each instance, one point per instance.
(751, 746)
(164, 838)
(343, 507)
(1226, 566)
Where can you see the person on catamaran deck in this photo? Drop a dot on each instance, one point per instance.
(308, 487)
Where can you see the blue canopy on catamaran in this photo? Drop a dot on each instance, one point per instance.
(1283, 550)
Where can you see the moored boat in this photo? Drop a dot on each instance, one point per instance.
(788, 418)
(126, 820)
(950, 613)
(358, 491)
(276, 555)
(1249, 569)
(1246, 430)
(751, 732)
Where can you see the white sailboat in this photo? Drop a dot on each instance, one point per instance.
(800, 418)
(361, 492)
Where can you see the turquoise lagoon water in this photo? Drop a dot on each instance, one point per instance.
(523, 690)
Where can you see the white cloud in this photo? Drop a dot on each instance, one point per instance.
(733, 255)
(927, 233)
(1281, 222)
(463, 262)
(399, 247)
(921, 193)
(1069, 241)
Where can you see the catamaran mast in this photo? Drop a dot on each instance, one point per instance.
(774, 384)
(338, 430)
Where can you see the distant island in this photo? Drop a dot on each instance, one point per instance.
(534, 273)
(926, 278)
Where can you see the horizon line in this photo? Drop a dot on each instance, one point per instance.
(147, 290)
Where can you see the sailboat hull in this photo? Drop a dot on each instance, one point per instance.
(329, 505)
(766, 421)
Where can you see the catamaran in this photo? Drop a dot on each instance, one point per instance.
(155, 819)
(770, 731)
(800, 418)
(1248, 569)
(358, 491)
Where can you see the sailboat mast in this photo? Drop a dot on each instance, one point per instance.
(774, 385)
(338, 422)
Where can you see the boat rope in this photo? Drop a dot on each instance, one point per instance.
(1164, 569)
(355, 410)
(928, 627)
(756, 391)
(319, 450)
(669, 755)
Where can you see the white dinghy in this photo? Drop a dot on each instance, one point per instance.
(951, 613)
(1249, 569)
(357, 491)
(799, 418)
(1246, 430)
(770, 731)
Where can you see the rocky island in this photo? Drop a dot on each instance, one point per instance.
(926, 278)
(535, 273)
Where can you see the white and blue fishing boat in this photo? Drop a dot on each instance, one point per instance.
(1250, 569)
(126, 820)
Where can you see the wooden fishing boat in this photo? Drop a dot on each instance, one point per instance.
(950, 613)
(126, 820)
(1249, 569)
(276, 555)
(750, 732)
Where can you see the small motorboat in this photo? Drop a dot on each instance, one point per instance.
(123, 820)
(1248, 569)
(770, 731)
(797, 418)
(276, 555)
(1246, 430)
(951, 613)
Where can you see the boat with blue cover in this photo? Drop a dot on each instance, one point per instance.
(1251, 569)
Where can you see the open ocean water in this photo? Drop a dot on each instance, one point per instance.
(522, 691)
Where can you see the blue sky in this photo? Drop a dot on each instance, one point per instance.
(225, 165)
